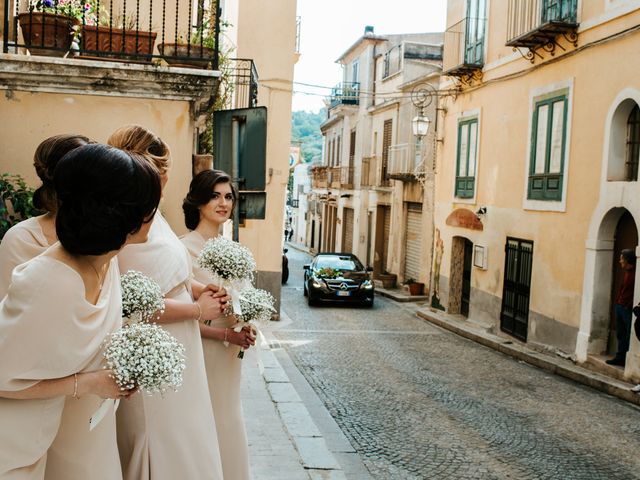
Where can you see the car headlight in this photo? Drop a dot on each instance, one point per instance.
(367, 285)
(315, 283)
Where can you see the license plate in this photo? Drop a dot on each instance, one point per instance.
(343, 293)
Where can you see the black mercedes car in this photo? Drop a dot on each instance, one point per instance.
(338, 277)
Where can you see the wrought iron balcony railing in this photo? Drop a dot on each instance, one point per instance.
(177, 31)
(335, 177)
(535, 24)
(464, 47)
(239, 83)
(345, 94)
(319, 178)
(402, 162)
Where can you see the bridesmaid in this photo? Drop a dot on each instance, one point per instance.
(59, 309)
(208, 205)
(171, 436)
(33, 236)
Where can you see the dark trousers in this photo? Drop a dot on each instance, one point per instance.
(623, 330)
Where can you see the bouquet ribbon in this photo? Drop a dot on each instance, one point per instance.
(102, 411)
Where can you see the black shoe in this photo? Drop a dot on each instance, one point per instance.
(619, 362)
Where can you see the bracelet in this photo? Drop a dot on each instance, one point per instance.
(225, 342)
(199, 311)
(75, 386)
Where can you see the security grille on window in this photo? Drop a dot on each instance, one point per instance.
(633, 145)
(466, 158)
(547, 148)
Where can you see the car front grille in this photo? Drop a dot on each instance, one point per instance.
(341, 285)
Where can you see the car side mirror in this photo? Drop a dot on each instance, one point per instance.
(306, 267)
(285, 250)
(369, 269)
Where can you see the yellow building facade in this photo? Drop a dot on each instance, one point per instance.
(537, 188)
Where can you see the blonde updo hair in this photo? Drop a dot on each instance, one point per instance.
(137, 139)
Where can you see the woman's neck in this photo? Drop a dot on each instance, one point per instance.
(208, 229)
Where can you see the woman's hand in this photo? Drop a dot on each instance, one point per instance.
(245, 338)
(101, 383)
(210, 306)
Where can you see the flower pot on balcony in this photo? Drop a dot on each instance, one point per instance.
(184, 55)
(117, 44)
(388, 279)
(416, 288)
(47, 34)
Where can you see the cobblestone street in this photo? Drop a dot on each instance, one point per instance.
(419, 402)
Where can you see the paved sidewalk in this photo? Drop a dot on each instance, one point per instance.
(547, 361)
(284, 441)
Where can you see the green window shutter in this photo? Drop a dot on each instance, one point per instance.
(466, 158)
(548, 145)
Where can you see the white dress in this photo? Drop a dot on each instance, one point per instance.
(172, 436)
(224, 369)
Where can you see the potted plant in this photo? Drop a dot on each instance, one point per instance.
(414, 287)
(117, 37)
(191, 51)
(388, 279)
(48, 28)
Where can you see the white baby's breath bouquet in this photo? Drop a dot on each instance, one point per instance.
(257, 306)
(230, 265)
(141, 297)
(145, 356)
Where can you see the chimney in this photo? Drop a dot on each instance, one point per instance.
(368, 31)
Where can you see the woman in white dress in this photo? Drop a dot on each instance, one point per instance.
(208, 205)
(59, 309)
(171, 436)
(33, 236)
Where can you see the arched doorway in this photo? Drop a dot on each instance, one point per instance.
(625, 236)
(460, 276)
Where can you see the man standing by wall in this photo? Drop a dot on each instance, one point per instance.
(623, 306)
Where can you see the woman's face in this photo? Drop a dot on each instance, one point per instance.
(218, 209)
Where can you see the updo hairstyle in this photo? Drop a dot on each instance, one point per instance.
(47, 156)
(135, 138)
(104, 194)
(201, 192)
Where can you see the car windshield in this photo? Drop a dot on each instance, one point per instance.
(337, 262)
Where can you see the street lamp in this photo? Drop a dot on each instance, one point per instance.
(420, 125)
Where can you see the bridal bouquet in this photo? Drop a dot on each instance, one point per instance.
(257, 305)
(231, 266)
(145, 356)
(141, 297)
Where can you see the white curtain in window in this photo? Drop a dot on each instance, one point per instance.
(473, 132)
(541, 139)
(464, 147)
(557, 128)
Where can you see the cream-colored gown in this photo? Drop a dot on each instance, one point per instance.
(21, 243)
(48, 330)
(172, 436)
(223, 372)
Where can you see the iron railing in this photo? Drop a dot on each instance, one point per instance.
(319, 177)
(392, 61)
(531, 22)
(464, 46)
(401, 160)
(187, 35)
(335, 177)
(347, 93)
(240, 81)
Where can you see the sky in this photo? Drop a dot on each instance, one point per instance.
(330, 27)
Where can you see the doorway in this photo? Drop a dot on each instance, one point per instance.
(460, 279)
(516, 291)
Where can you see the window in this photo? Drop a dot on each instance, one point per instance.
(355, 71)
(633, 145)
(466, 158)
(548, 141)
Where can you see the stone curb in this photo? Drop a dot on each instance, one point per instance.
(305, 435)
(556, 365)
(400, 296)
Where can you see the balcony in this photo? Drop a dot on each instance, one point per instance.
(402, 162)
(535, 24)
(464, 48)
(319, 177)
(345, 94)
(116, 31)
(335, 177)
(368, 166)
(241, 87)
(346, 177)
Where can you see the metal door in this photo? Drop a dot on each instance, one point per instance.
(466, 278)
(413, 241)
(514, 314)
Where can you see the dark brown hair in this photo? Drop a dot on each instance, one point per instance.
(201, 191)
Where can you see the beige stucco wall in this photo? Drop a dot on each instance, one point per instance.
(32, 117)
(504, 109)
